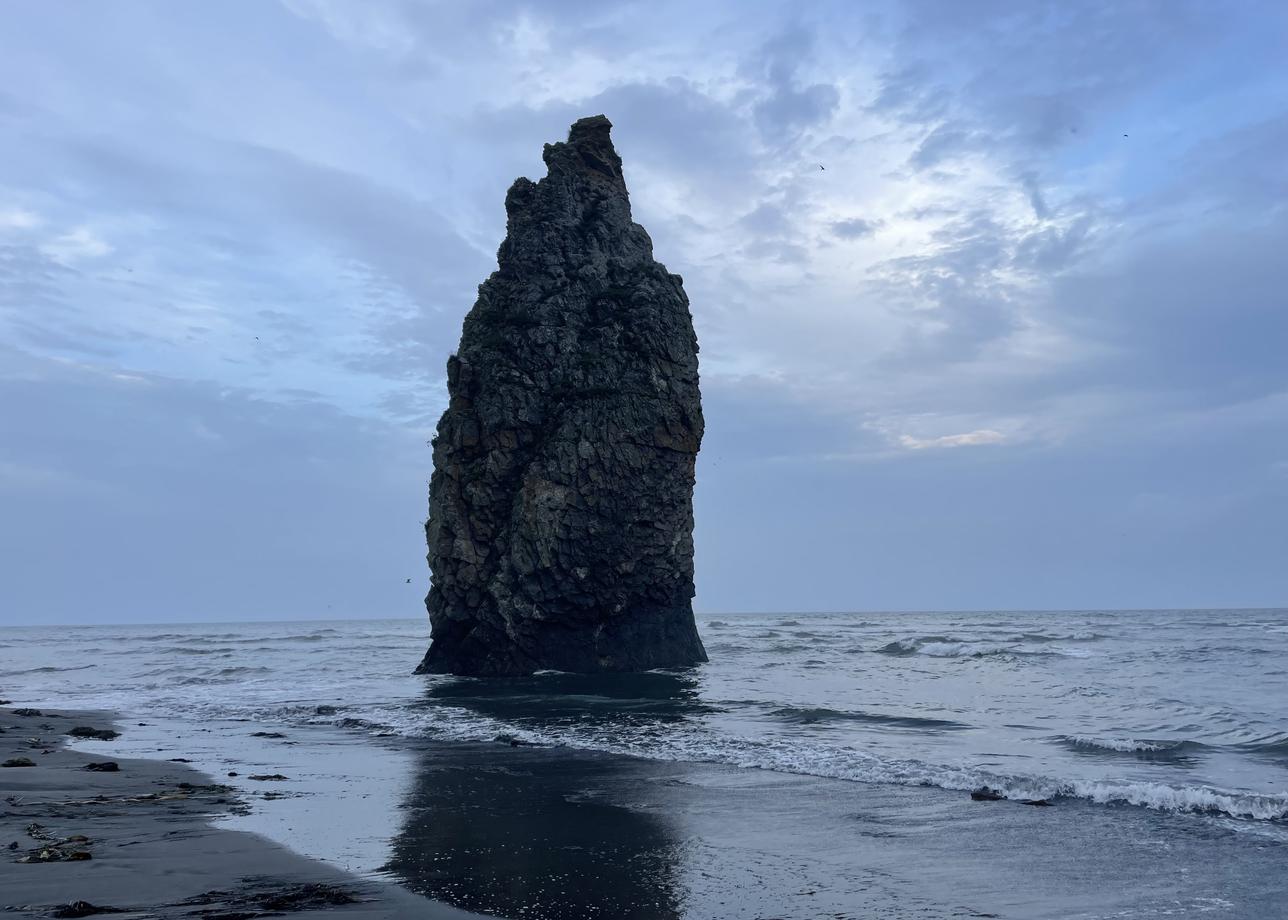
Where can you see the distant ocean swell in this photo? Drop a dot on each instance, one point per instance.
(950, 647)
(48, 669)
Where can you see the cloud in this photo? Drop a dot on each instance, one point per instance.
(788, 106)
(76, 245)
(18, 219)
(983, 436)
(855, 228)
(148, 485)
(259, 237)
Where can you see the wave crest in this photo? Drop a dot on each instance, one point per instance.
(808, 716)
(951, 647)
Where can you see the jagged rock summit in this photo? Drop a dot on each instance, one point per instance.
(561, 505)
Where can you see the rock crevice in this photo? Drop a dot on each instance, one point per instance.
(561, 521)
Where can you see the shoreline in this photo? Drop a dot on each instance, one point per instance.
(140, 840)
(742, 791)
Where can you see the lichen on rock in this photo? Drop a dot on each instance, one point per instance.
(561, 518)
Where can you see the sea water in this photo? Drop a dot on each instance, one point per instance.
(1170, 723)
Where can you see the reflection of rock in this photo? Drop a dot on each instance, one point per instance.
(561, 524)
(524, 833)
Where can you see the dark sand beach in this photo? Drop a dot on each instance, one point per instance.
(152, 850)
(557, 833)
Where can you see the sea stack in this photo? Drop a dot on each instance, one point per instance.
(560, 523)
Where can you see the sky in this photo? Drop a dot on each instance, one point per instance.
(992, 297)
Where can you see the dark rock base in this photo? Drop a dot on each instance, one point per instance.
(655, 639)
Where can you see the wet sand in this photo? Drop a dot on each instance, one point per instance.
(564, 835)
(151, 848)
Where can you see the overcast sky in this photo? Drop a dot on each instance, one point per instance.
(1020, 344)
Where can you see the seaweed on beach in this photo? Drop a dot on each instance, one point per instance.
(263, 898)
(84, 909)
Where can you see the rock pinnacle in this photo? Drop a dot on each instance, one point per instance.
(561, 515)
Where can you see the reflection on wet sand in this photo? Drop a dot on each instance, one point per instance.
(524, 833)
(523, 840)
(561, 833)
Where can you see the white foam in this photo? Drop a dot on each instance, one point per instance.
(844, 763)
(941, 647)
(1123, 745)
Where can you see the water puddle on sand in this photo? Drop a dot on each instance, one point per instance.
(338, 803)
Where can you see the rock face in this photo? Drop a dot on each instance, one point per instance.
(561, 516)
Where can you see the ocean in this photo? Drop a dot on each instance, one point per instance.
(819, 765)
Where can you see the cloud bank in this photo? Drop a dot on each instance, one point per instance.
(990, 299)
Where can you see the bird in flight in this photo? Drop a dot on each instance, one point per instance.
(408, 581)
(820, 166)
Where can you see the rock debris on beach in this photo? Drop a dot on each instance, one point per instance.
(84, 909)
(99, 734)
(157, 852)
(270, 899)
(561, 522)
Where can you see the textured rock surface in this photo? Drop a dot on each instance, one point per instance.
(561, 518)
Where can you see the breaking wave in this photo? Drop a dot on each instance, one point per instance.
(47, 669)
(842, 763)
(220, 676)
(680, 742)
(950, 647)
(1135, 747)
(809, 716)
